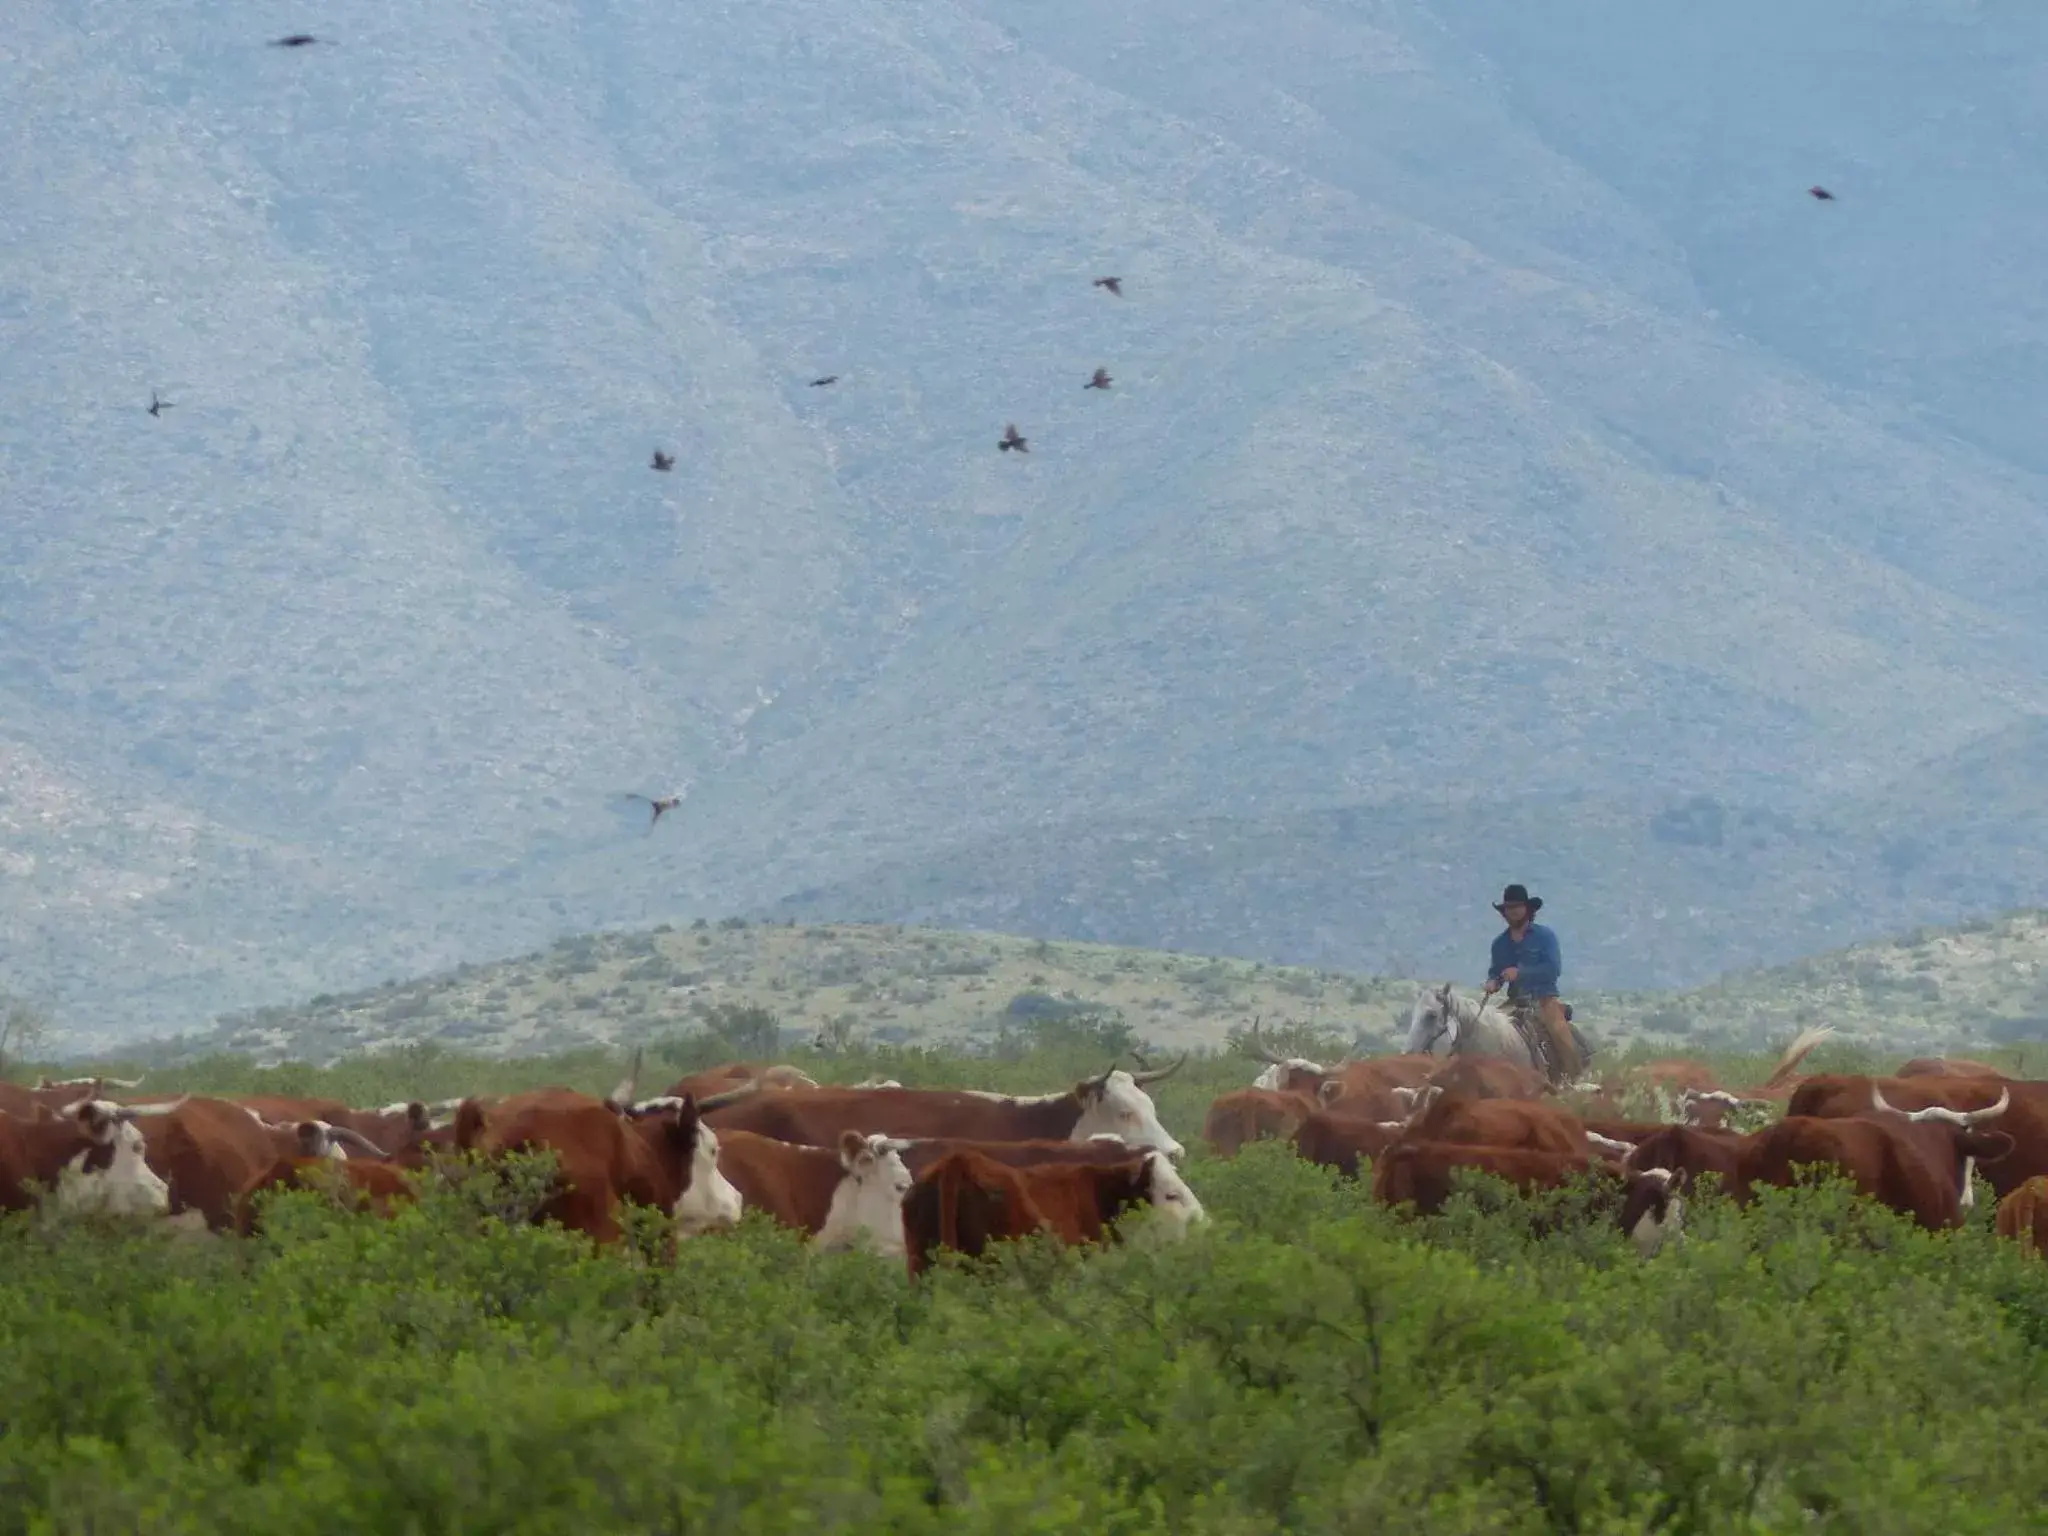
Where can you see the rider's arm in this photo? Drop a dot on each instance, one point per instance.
(1502, 952)
(1541, 966)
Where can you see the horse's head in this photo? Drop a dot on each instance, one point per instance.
(1431, 1019)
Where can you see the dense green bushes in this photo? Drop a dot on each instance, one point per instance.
(1308, 1363)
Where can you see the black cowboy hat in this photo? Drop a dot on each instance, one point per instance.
(1519, 893)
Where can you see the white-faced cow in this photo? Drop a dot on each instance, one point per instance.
(1113, 1104)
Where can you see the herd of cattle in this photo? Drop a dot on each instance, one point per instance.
(910, 1171)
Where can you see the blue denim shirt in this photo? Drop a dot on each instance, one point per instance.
(1536, 959)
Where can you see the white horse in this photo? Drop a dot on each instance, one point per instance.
(1442, 1024)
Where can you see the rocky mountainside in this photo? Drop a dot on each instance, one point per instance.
(1509, 473)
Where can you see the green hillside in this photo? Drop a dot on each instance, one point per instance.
(1981, 984)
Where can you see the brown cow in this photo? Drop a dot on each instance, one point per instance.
(1439, 1116)
(1688, 1151)
(1423, 1175)
(209, 1150)
(1164, 1188)
(1372, 1089)
(1918, 1169)
(369, 1183)
(1341, 1141)
(1252, 1114)
(2023, 1215)
(837, 1197)
(1946, 1066)
(1115, 1104)
(1484, 1077)
(736, 1074)
(967, 1200)
(1839, 1096)
(658, 1154)
(91, 1156)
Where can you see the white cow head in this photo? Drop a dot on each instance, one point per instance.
(1116, 1104)
(867, 1205)
(1171, 1197)
(1659, 1210)
(112, 1175)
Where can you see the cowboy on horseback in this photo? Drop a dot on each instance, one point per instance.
(1526, 961)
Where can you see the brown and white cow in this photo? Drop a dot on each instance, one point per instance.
(659, 1153)
(89, 1155)
(208, 1151)
(1378, 1088)
(1253, 1114)
(1424, 1175)
(967, 1200)
(1164, 1188)
(846, 1198)
(1113, 1104)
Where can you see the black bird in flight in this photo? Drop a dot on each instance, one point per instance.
(664, 462)
(1114, 284)
(1100, 381)
(830, 378)
(296, 40)
(1820, 194)
(665, 803)
(158, 407)
(1011, 440)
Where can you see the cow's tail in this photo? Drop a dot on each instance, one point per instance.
(1795, 1053)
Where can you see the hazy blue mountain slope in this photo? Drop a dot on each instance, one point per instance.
(1435, 470)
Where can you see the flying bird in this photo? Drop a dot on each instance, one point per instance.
(1100, 381)
(665, 803)
(1114, 284)
(664, 461)
(296, 40)
(830, 378)
(1011, 440)
(1820, 194)
(158, 407)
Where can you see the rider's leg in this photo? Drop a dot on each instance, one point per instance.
(1563, 1047)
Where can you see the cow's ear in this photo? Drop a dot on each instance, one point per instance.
(853, 1146)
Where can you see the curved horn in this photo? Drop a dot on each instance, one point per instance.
(730, 1096)
(144, 1111)
(355, 1141)
(623, 1094)
(1941, 1112)
(1159, 1074)
(1096, 1084)
(1139, 1057)
(1258, 1047)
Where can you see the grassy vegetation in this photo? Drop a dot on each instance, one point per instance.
(1307, 1363)
(1977, 986)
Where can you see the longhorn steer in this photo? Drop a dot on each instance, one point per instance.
(967, 1200)
(657, 1154)
(91, 1156)
(836, 1196)
(1919, 1168)
(1114, 1104)
(2025, 1120)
